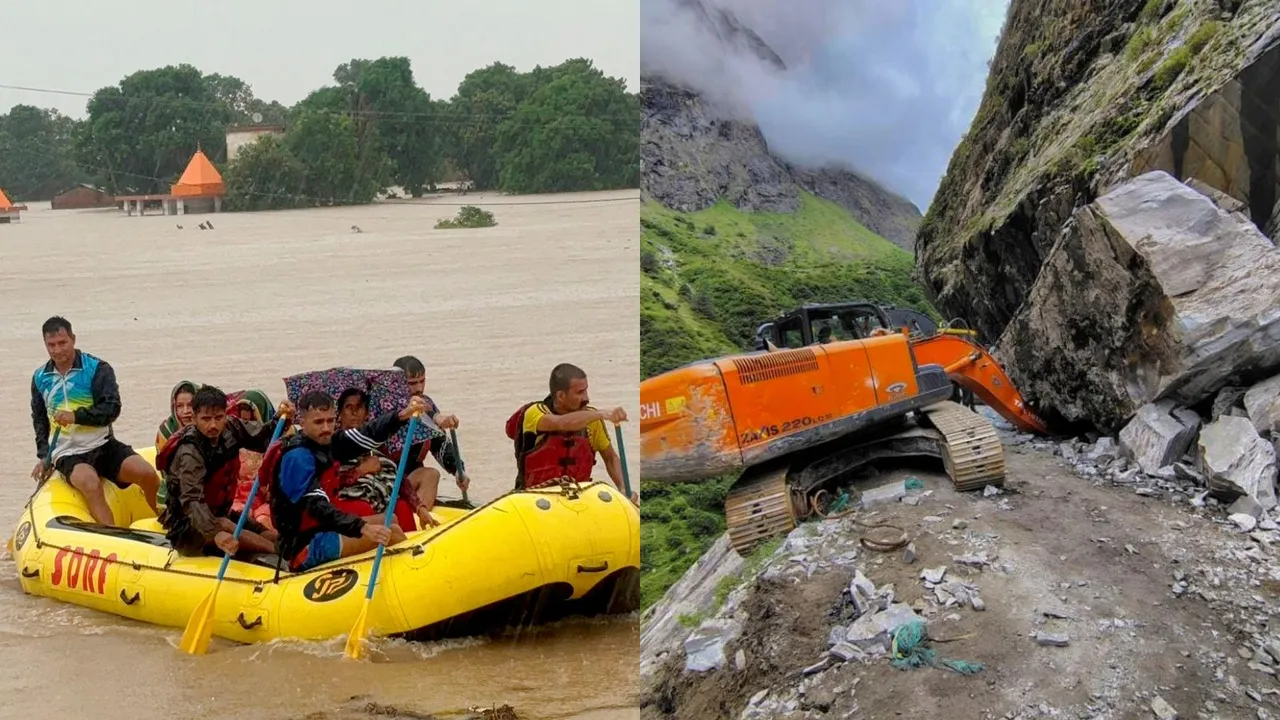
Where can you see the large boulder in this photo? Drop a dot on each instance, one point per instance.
(1159, 435)
(1151, 292)
(1262, 403)
(1237, 461)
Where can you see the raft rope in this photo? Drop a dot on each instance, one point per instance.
(569, 490)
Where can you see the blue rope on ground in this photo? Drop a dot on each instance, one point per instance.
(909, 651)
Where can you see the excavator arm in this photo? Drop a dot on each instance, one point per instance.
(971, 367)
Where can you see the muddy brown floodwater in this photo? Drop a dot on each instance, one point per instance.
(265, 295)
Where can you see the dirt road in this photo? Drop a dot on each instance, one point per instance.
(1056, 554)
(266, 295)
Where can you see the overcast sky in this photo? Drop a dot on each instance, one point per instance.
(287, 48)
(885, 88)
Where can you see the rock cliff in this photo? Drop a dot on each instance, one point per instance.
(1082, 95)
(695, 152)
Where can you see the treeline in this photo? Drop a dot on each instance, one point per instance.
(555, 129)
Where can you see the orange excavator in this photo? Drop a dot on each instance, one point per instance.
(830, 389)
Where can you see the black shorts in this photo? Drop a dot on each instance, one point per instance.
(105, 459)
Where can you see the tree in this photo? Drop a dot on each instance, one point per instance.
(265, 176)
(241, 104)
(390, 110)
(36, 162)
(484, 99)
(578, 131)
(337, 169)
(141, 134)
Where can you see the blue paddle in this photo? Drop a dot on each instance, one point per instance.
(355, 640)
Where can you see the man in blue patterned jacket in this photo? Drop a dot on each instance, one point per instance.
(78, 392)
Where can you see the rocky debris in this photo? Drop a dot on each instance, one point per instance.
(1151, 292)
(1219, 198)
(1159, 434)
(693, 594)
(873, 631)
(884, 494)
(1236, 461)
(1262, 405)
(863, 594)
(1163, 710)
(909, 553)
(1246, 523)
(704, 649)
(1049, 639)
(1228, 401)
(1245, 505)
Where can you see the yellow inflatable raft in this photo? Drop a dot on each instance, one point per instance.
(524, 557)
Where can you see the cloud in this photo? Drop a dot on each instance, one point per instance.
(886, 89)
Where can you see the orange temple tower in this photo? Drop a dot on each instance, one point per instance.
(8, 211)
(199, 190)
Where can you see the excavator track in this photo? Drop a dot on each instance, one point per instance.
(972, 452)
(758, 507)
(763, 503)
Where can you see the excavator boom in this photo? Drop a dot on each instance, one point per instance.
(971, 367)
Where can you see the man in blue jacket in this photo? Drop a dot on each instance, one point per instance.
(78, 392)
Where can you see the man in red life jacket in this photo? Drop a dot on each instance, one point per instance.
(201, 467)
(304, 475)
(560, 436)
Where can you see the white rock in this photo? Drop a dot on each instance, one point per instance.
(1262, 402)
(1158, 435)
(1243, 521)
(1238, 461)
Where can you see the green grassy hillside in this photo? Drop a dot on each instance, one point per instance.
(709, 278)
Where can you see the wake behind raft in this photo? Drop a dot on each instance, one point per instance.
(524, 558)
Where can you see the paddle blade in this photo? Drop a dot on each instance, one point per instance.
(195, 639)
(355, 641)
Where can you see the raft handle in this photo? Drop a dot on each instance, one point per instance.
(128, 600)
(30, 573)
(594, 568)
(249, 626)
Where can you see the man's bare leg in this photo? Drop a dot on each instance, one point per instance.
(426, 481)
(136, 471)
(85, 479)
(250, 541)
(355, 546)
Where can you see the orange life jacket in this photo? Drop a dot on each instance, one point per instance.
(543, 458)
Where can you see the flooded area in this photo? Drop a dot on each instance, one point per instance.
(265, 295)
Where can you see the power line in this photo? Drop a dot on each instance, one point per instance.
(448, 116)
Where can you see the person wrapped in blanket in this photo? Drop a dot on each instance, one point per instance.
(367, 481)
(303, 472)
(253, 406)
(181, 414)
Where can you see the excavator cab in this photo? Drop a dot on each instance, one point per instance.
(820, 324)
(817, 324)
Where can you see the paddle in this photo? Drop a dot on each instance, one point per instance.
(457, 459)
(195, 639)
(48, 458)
(355, 640)
(622, 458)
